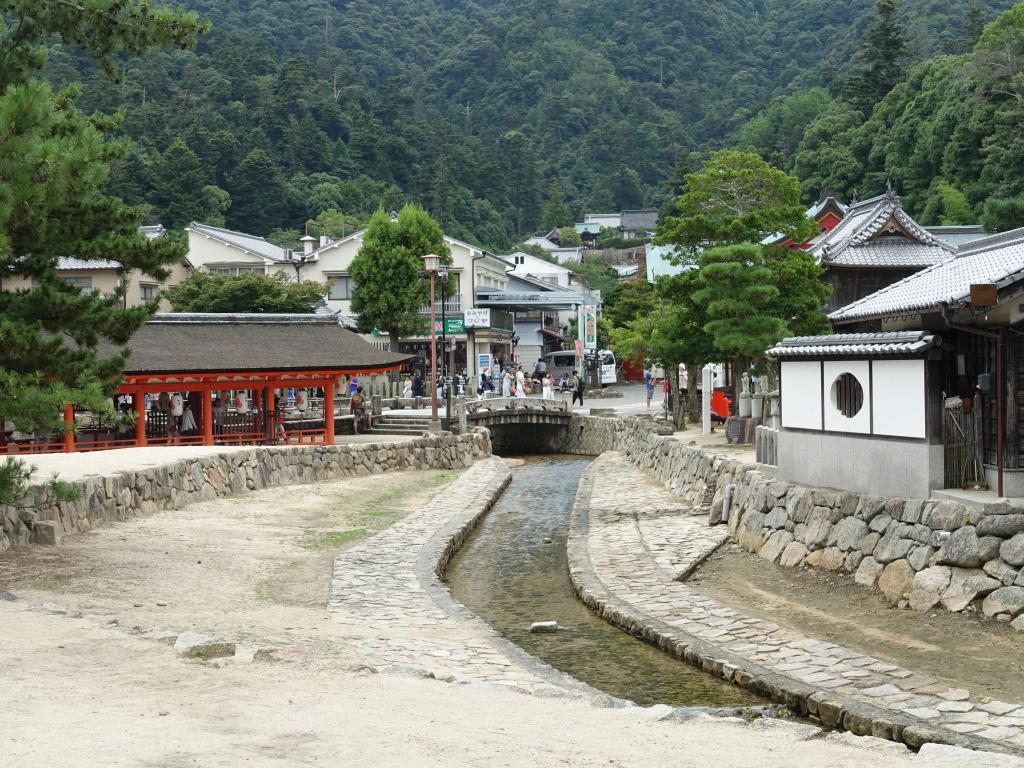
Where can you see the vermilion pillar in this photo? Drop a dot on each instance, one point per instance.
(329, 412)
(207, 416)
(139, 399)
(69, 428)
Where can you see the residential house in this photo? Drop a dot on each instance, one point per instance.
(573, 255)
(588, 233)
(106, 275)
(225, 252)
(471, 268)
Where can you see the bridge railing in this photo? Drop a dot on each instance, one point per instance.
(493, 404)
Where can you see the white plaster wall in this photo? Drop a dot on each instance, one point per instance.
(203, 251)
(835, 421)
(898, 398)
(801, 395)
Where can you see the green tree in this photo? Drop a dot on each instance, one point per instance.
(54, 167)
(629, 300)
(387, 293)
(1003, 213)
(204, 292)
(556, 212)
(568, 237)
(881, 57)
(736, 198)
(596, 273)
(802, 291)
(257, 192)
(215, 203)
(179, 175)
(741, 301)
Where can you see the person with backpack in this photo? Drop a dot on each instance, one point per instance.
(577, 388)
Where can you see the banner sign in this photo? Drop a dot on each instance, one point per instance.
(454, 325)
(589, 327)
(483, 363)
(477, 317)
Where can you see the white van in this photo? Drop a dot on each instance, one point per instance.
(564, 362)
(608, 374)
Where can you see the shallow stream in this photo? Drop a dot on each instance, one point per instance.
(510, 576)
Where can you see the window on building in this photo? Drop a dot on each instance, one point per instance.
(341, 288)
(520, 259)
(147, 292)
(847, 395)
(236, 271)
(81, 282)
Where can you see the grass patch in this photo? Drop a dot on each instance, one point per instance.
(375, 508)
(312, 539)
(265, 590)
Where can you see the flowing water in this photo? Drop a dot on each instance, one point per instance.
(509, 576)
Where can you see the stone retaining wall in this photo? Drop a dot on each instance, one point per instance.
(40, 517)
(919, 553)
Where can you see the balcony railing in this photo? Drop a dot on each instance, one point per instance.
(452, 304)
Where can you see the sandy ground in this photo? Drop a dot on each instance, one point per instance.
(81, 692)
(986, 656)
(254, 568)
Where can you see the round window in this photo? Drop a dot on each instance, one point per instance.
(847, 395)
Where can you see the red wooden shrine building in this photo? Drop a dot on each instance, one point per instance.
(212, 379)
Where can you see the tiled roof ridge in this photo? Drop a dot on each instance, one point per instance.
(241, 318)
(227, 231)
(917, 275)
(998, 240)
(886, 343)
(891, 208)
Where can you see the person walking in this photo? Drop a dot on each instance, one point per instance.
(506, 383)
(649, 383)
(549, 387)
(577, 388)
(520, 382)
(417, 384)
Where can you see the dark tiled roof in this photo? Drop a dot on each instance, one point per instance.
(997, 259)
(188, 342)
(856, 345)
(639, 220)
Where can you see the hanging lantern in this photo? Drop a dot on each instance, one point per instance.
(301, 400)
(242, 401)
(177, 405)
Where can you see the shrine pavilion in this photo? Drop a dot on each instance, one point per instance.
(212, 379)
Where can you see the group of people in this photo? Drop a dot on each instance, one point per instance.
(514, 383)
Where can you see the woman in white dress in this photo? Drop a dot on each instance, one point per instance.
(506, 383)
(520, 382)
(549, 387)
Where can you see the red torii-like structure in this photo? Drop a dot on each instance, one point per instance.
(193, 353)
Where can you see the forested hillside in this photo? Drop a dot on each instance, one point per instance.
(479, 111)
(949, 135)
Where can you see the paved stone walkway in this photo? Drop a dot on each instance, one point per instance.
(638, 551)
(398, 615)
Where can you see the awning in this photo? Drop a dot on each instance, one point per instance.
(531, 302)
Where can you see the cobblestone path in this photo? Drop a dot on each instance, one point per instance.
(397, 614)
(639, 543)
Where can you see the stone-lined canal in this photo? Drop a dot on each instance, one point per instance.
(510, 576)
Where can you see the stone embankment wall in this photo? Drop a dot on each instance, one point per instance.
(41, 517)
(918, 553)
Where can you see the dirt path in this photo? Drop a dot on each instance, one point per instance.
(983, 656)
(253, 568)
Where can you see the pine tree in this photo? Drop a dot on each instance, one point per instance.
(882, 59)
(257, 193)
(180, 177)
(556, 213)
(54, 167)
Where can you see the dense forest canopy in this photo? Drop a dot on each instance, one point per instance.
(478, 111)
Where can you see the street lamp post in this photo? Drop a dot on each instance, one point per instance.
(432, 263)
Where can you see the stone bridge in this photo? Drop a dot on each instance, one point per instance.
(520, 425)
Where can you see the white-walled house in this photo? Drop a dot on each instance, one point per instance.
(225, 252)
(525, 265)
(471, 268)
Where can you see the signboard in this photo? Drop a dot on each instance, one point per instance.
(454, 325)
(483, 362)
(477, 317)
(589, 327)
